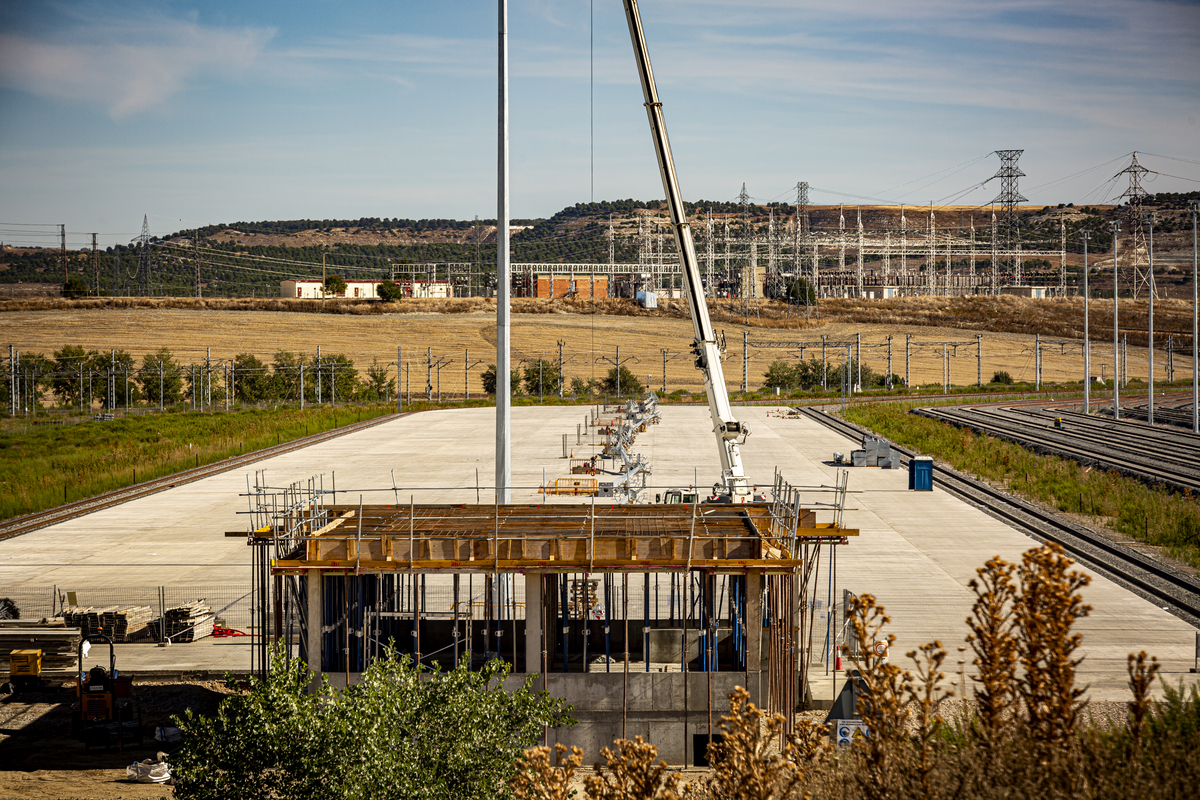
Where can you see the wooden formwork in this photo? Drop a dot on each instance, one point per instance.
(518, 538)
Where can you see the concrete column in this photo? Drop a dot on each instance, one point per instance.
(314, 619)
(755, 657)
(533, 622)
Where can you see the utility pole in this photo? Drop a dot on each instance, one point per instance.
(562, 377)
(889, 372)
(467, 372)
(95, 268)
(62, 249)
(196, 257)
(824, 366)
(858, 336)
(429, 374)
(1116, 228)
(979, 359)
(1150, 218)
(664, 372)
(1087, 342)
(907, 355)
(1195, 328)
(1037, 362)
(399, 395)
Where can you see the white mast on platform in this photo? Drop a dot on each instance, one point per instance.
(503, 396)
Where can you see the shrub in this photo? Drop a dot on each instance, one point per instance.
(1002, 376)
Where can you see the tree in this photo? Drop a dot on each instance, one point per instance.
(74, 287)
(285, 376)
(335, 285)
(251, 379)
(541, 378)
(116, 365)
(159, 369)
(627, 386)
(489, 380)
(580, 387)
(66, 383)
(781, 374)
(390, 291)
(401, 732)
(378, 385)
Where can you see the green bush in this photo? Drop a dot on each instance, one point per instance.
(402, 732)
(1002, 376)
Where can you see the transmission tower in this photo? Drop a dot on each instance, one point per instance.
(143, 269)
(1137, 275)
(1008, 233)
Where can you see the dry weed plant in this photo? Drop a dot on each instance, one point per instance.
(881, 702)
(1045, 609)
(748, 763)
(1141, 677)
(993, 640)
(538, 779)
(630, 772)
(923, 692)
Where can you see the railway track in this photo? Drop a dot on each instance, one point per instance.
(79, 508)
(1162, 584)
(1153, 454)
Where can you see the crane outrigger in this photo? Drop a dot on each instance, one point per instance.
(730, 432)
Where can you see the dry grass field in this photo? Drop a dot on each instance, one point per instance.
(457, 329)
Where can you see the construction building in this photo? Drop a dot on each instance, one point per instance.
(644, 617)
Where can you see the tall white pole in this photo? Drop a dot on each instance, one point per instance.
(1087, 342)
(1116, 228)
(503, 396)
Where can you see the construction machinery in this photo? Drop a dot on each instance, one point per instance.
(104, 712)
(730, 432)
(25, 670)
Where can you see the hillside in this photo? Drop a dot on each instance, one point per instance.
(248, 259)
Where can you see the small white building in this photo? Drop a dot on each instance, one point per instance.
(311, 288)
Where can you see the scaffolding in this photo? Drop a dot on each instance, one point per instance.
(558, 589)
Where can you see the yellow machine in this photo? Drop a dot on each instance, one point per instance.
(25, 669)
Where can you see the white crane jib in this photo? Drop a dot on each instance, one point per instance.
(729, 431)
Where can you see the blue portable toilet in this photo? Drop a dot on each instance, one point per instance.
(920, 474)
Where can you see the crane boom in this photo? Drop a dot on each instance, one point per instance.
(728, 430)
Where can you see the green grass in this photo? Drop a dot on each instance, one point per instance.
(1155, 516)
(46, 468)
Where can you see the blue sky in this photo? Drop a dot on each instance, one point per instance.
(226, 111)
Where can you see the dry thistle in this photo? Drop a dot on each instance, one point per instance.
(537, 779)
(743, 768)
(923, 691)
(1045, 609)
(1141, 677)
(880, 704)
(629, 772)
(992, 638)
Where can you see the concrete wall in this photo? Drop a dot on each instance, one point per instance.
(657, 709)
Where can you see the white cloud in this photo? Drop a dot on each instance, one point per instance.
(127, 66)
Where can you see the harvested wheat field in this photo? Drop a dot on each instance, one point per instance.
(454, 330)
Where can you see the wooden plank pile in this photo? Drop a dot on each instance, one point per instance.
(122, 623)
(127, 624)
(186, 623)
(59, 644)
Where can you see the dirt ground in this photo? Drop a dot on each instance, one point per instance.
(40, 759)
(590, 344)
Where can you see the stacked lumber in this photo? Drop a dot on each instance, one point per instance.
(126, 624)
(186, 623)
(59, 644)
(87, 618)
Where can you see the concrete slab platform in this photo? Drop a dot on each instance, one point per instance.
(916, 553)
